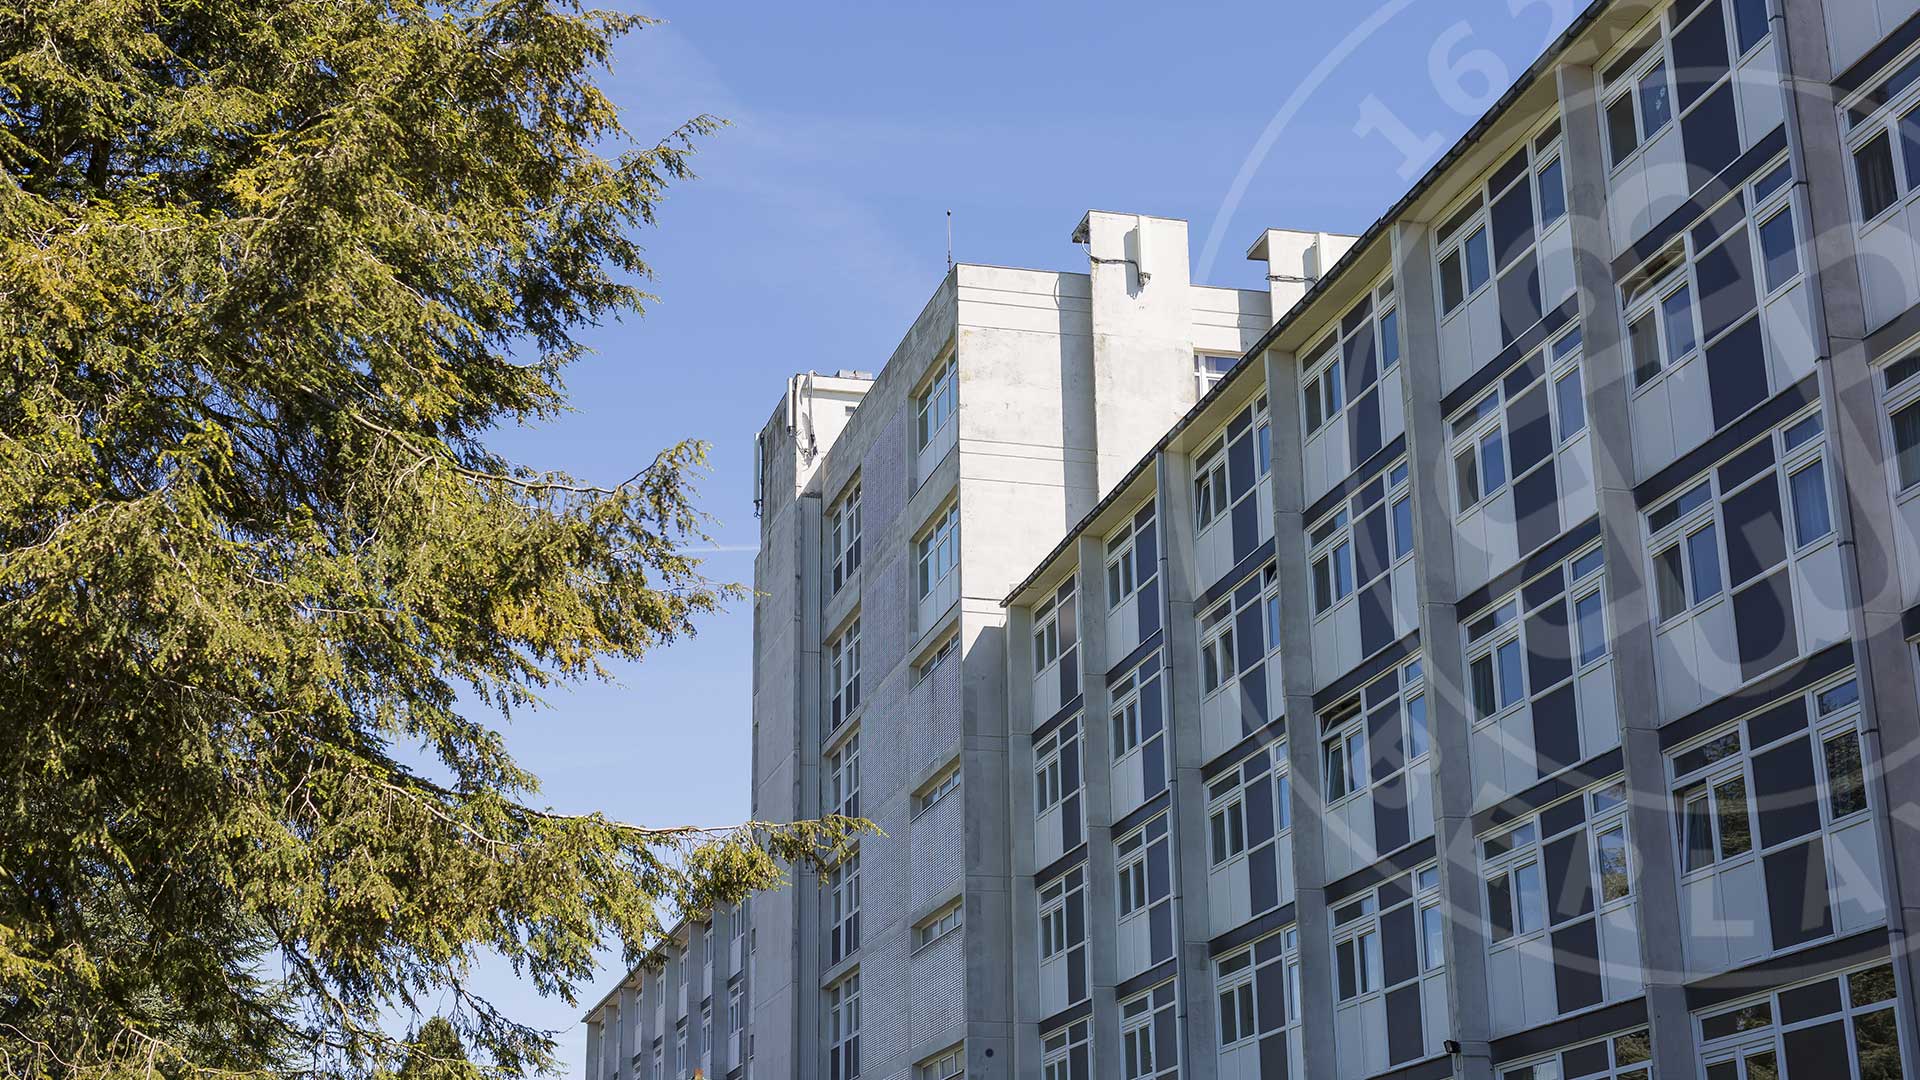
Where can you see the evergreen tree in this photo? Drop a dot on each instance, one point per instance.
(270, 271)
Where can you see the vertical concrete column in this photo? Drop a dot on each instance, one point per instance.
(643, 1025)
(1188, 821)
(1303, 727)
(629, 1030)
(1021, 958)
(1629, 611)
(1096, 776)
(807, 1054)
(594, 1037)
(989, 884)
(1463, 939)
(1857, 459)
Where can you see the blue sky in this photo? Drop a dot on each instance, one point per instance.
(817, 230)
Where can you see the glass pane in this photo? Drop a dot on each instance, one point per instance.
(1432, 945)
(1485, 703)
(1909, 129)
(1846, 783)
(1499, 908)
(1703, 558)
(1511, 686)
(1906, 444)
(1591, 627)
(1476, 250)
(1553, 194)
(1402, 527)
(1873, 177)
(1730, 805)
(1876, 1046)
(1676, 317)
(1466, 474)
(1668, 582)
(1811, 520)
(1493, 462)
(1655, 106)
(1529, 898)
(1622, 135)
(1389, 340)
(1452, 291)
(1612, 847)
(1643, 340)
(1417, 737)
(1572, 404)
(1762, 1066)
(1749, 23)
(1777, 251)
(1343, 569)
(1699, 837)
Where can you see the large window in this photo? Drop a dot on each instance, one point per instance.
(1491, 240)
(1519, 423)
(1903, 421)
(936, 404)
(1065, 1054)
(944, 782)
(1376, 935)
(938, 551)
(1047, 628)
(1507, 643)
(1842, 1027)
(843, 538)
(1391, 712)
(1765, 506)
(1365, 345)
(1559, 867)
(1144, 869)
(1682, 69)
(1257, 990)
(843, 778)
(1883, 137)
(951, 1065)
(843, 1029)
(1627, 1056)
(1056, 770)
(1340, 566)
(844, 883)
(1701, 293)
(936, 926)
(1132, 558)
(1231, 466)
(844, 676)
(1149, 1039)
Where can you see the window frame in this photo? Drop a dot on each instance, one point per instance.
(938, 399)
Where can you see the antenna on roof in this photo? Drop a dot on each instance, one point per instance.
(949, 240)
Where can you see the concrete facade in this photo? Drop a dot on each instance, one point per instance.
(1505, 669)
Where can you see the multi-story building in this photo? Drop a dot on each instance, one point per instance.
(1493, 653)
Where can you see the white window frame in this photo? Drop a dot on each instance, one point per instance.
(1472, 219)
(1759, 1039)
(843, 676)
(937, 552)
(1226, 821)
(843, 1029)
(1899, 384)
(844, 535)
(843, 777)
(936, 404)
(1049, 776)
(1483, 424)
(1125, 577)
(946, 1065)
(843, 911)
(937, 925)
(1334, 546)
(931, 792)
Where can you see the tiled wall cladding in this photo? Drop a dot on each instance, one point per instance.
(937, 990)
(933, 717)
(939, 851)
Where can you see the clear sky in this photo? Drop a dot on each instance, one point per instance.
(817, 231)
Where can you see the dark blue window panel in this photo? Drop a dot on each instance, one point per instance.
(1363, 425)
(1588, 1060)
(1249, 635)
(1562, 816)
(1529, 429)
(1536, 509)
(1077, 977)
(1070, 823)
(1380, 690)
(1519, 289)
(1246, 528)
(1394, 890)
(1357, 316)
(1146, 542)
(1239, 467)
(1274, 1060)
(1810, 1002)
(1362, 366)
(1710, 136)
(1150, 709)
(1525, 375)
(1263, 880)
(1785, 793)
(1569, 878)
(1543, 588)
(1153, 763)
(1371, 554)
(1383, 741)
(1390, 826)
(1510, 170)
(1726, 285)
(1778, 722)
(1376, 617)
(1159, 873)
(1149, 611)
(1166, 1033)
(1253, 700)
(1070, 768)
(1756, 536)
(1763, 625)
(1343, 963)
(1549, 652)
(1820, 1050)
(1736, 373)
(1270, 990)
(1699, 55)
(1576, 966)
(1076, 917)
(1556, 731)
(1160, 930)
(1259, 809)
(1069, 672)
(1077, 1058)
(1746, 464)
(1512, 216)
(1798, 907)
(1405, 1040)
(1399, 958)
